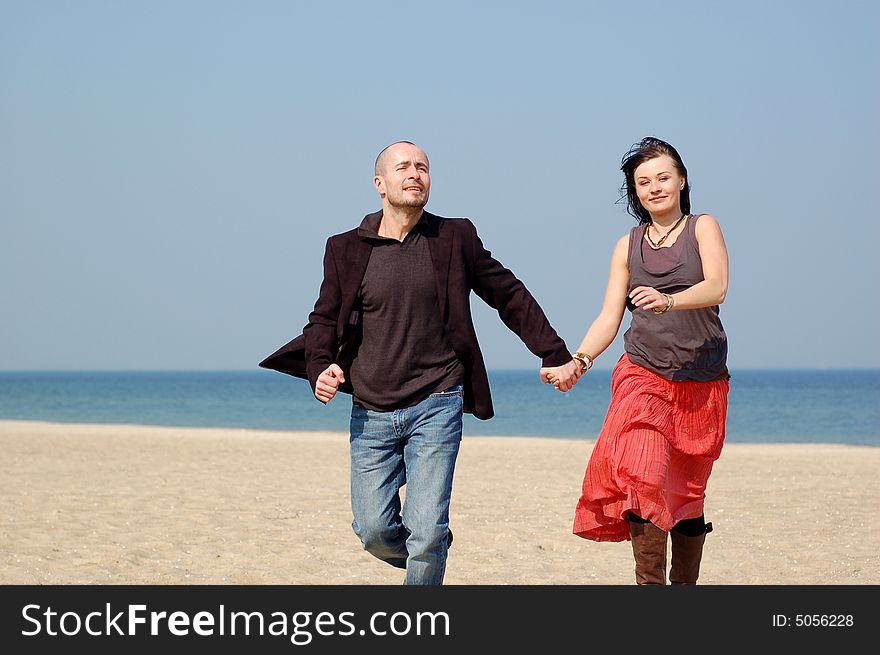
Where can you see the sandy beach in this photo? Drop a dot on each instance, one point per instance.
(113, 504)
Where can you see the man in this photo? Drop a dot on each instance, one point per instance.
(392, 325)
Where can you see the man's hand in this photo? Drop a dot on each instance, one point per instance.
(562, 377)
(328, 383)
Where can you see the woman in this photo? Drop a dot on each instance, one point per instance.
(664, 428)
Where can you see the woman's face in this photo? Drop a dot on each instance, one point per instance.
(659, 185)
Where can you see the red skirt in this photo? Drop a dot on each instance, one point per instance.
(654, 453)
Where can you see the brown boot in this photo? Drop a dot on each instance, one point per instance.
(649, 550)
(687, 552)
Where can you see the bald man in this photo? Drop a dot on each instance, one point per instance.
(392, 326)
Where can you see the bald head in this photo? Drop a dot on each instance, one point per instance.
(382, 158)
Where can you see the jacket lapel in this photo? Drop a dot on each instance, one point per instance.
(440, 244)
(351, 272)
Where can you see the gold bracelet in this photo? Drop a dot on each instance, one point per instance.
(585, 360)
(670, 301)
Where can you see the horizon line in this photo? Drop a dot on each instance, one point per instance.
(497, 370)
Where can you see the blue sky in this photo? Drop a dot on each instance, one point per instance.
(170, 171)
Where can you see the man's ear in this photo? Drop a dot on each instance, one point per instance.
(379, 183)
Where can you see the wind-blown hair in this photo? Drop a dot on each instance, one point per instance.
(649, 148)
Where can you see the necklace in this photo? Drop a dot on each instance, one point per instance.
(665, 236)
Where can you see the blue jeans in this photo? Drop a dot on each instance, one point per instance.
(416, 446)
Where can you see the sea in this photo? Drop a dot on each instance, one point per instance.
(765, 406)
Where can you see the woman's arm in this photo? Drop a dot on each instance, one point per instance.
(604, 328)
(712, 290)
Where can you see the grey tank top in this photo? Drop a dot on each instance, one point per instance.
(687, 344)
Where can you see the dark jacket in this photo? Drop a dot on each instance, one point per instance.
(461, 265)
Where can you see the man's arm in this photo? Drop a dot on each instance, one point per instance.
(503, 291)
(320, 332)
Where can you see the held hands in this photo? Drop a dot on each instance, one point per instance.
(328, 383)
(562, 377)
(650, 298)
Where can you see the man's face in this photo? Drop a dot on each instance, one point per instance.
(404, 180)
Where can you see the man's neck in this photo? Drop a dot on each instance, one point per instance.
(398, 221)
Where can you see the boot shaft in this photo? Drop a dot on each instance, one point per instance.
(649, 551)
(687, 553)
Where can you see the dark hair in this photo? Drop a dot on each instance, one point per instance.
(649, 148)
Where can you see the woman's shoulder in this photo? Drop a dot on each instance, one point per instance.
(707, 233)
(623, 242)
(706, 224)
(622, 248)
(635, 232)
(704, 219)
